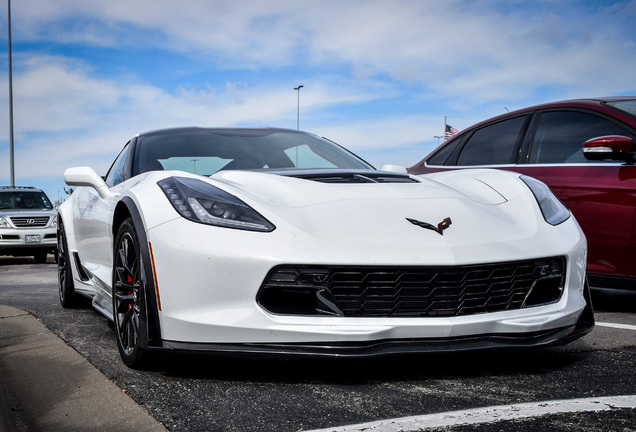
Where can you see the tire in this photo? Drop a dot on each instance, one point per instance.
(68, 297)
(129, 297)
(40, 256)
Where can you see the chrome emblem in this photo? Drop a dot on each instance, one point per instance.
(438, 229)
(30, 221)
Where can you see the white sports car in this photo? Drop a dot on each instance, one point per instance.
(279, 241)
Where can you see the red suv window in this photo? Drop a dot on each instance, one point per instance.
(560, 135)
(493, 144)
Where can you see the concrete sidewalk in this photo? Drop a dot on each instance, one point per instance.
(45, 385)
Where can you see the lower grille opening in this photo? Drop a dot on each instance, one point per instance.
(412, 291)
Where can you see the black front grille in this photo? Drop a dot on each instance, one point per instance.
(412, 291)
(30, 222)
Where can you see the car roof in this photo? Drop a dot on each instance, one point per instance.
(567, 103)
(19, 188)
(216, 129)
(583, 102)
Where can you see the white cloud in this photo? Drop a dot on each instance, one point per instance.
(478, 50)
(379, 75)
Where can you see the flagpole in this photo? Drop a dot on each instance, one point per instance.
(445, 128)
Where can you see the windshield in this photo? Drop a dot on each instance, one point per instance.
(24, 200)
(208, 151)
(629, 106)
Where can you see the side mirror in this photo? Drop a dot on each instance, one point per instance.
(86, 176)
(610, 147)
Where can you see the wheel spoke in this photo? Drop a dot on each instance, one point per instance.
(126, 293)
(129, 330)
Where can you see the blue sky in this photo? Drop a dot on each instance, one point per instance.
(379, 76)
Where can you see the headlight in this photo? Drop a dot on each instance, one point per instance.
(554, 212)
(4, 223)
(201, 202)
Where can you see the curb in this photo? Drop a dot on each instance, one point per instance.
(46, 385)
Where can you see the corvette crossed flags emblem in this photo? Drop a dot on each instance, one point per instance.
(438, 229)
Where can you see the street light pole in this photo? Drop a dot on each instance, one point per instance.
(11, 157)
(298, 107)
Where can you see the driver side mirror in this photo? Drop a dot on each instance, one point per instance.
(610, 148)
(86, 176)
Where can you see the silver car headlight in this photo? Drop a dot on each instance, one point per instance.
(4, 223)
(554, 211)
(201, 202)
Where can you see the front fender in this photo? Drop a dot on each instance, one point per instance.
(150, 318)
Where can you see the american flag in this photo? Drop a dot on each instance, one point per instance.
(450, 132)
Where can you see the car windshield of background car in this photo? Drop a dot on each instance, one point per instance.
(560, 136)
(628, 106)
(24, 201)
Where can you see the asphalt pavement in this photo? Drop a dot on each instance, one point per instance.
(45, 385)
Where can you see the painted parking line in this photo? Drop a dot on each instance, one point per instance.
(618, 326)
(490, 414)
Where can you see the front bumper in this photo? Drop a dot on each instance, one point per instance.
(551, 337)
(208, 283)
(21, 241)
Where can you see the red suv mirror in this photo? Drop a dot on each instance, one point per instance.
(610, 147)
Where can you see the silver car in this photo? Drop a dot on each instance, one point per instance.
(28, 223)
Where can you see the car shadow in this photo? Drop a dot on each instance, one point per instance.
(26, 260)
(613, 300)
(391, 368)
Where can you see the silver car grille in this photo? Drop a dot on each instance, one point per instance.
(30, 222)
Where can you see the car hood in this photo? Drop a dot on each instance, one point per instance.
(27, 212)
(485, 211)
(483, 186)
(490, 213)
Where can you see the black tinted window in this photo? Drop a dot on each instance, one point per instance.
(560, 136)
(493, 144)
(444, 153)
(27, 200)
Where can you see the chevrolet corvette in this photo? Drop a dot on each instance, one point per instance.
(281, 242)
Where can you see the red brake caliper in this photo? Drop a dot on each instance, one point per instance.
(129, 292)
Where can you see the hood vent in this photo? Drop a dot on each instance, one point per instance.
(339, 176)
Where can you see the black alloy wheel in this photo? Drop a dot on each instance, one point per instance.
(68, 297)
(128, 296)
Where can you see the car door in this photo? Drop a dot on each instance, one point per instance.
(601, 195)
(93, 217)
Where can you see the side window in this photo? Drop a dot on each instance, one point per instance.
(440, 158)
(560, 136)
(493, 144)
(116, 173)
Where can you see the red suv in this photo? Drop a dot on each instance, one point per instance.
(584, 150)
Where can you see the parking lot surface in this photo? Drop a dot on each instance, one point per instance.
(271, 394)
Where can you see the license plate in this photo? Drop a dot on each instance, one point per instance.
(32, 238)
